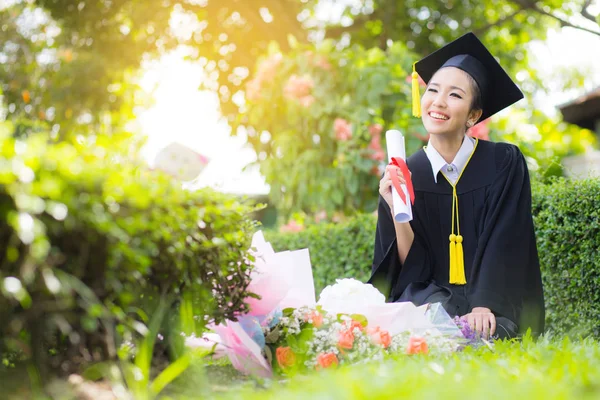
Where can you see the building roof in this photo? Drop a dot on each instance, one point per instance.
(584, 111)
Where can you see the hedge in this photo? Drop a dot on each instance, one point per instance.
(91, 241)
(567, 221)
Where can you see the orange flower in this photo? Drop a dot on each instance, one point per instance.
(417, 345)
(316, 317)
(345, 339)
(326, 360)
(285, 357)
(380, 336)
(26, 96)
(356, 324)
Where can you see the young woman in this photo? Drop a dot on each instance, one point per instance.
(471, 243)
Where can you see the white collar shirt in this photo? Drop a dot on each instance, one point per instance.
(453, 170)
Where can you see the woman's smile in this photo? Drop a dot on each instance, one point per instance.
(437, 116)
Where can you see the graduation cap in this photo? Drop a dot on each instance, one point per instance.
(467, 53)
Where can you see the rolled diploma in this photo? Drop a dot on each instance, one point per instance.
(395, 148)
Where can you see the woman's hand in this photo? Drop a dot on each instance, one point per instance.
(483, 321)
(385, 184)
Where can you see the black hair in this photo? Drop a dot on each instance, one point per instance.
(477, 101)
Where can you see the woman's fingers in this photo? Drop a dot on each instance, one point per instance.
(492, 325)
(392, 169)
(482, 323)
(485, 327)
(478, 323)
(385, 186)
(471, 320)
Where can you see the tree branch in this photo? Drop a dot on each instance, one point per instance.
(585, 12)
(564, 22)
(527, 4)
(496, 23)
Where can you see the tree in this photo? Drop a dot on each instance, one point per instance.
(314, 132)
(93, 49)
(426, 25)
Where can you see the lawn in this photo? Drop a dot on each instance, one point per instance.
(548, 369)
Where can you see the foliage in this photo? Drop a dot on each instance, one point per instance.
(315, 118)
(426, 25)
(543, 140)
(548, 369)
(135, 367)
(53, 77)
(55, 51)
(74, 64)
(90, 239)
(567, 219)
(568, 234)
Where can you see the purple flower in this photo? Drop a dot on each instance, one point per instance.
(465, 328)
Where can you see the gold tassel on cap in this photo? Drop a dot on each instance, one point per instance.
(416, 96)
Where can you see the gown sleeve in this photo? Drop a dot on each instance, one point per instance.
(508, 280)
(388, 273)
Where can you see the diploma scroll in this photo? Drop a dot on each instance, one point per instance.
(395, 148)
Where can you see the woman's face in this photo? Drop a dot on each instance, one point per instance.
(446, 104)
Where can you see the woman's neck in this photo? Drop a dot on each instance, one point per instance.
(447, 145)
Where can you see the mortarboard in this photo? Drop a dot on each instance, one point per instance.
(467, 53)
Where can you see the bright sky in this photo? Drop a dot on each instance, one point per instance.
(183, 114)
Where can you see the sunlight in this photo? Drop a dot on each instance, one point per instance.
(181, 113)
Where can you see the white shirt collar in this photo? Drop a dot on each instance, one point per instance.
(459, 162)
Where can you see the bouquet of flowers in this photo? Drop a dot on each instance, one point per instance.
(287, 331)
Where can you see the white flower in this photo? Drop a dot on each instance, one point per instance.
(349, 296)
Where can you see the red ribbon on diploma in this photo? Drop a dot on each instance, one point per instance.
(400, 163)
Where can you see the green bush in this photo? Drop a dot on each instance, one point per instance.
(90, 240)
(567, 221)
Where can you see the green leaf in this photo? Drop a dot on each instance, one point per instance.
(170, 373)
(360, 318)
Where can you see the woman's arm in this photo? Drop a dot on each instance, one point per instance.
(404, 232)
(404, 239)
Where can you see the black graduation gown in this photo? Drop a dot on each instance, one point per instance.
(500, 254)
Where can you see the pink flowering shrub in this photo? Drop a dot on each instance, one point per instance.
(481, 130)
(326, 111)
(299, 88)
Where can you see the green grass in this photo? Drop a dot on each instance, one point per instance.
(549, 369)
